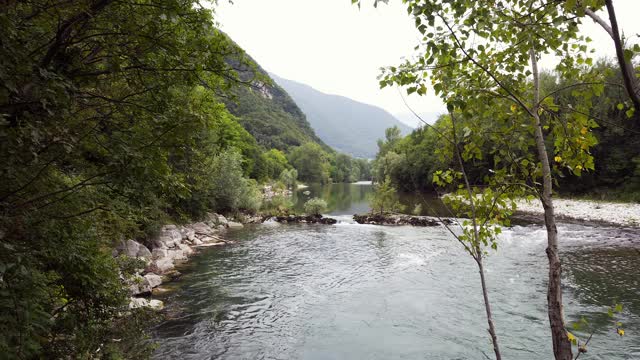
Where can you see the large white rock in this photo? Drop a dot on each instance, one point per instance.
(139, 285)
(186, 249)
(176, 254)
(234, 225)
(188, 234)
(131, 248)
(201, 228)
(161, 266)
(153, 304)
(156, 304)
(153, 280)
(159, 253)
(143, 252)
(216, 219)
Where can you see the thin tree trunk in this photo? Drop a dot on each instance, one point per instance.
(631, 81)
(487, 308)
(478, 255)
(561, 345)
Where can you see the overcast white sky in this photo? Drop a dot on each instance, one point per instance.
(338, 49)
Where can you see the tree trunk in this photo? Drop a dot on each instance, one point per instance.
(631, 81)
(478, 251)
(561, 345)
(487, 307)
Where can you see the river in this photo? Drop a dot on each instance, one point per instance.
(353, 291)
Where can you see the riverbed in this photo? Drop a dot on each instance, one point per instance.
(353, 291)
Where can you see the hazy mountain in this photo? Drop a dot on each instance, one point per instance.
(346, 125)
(411, 120)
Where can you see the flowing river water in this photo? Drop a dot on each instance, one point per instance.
(351, 291)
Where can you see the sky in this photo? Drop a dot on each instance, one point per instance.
(337, 48)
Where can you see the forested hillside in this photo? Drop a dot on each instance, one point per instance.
(268, 112)
(346, 125)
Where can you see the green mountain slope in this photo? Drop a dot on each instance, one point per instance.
(346, 125)
(269, 114)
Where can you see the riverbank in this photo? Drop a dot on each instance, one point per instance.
(586, 211)
(157, 257)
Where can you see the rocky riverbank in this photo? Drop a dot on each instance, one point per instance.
(160, 255)
(304, 219)
(587, 211)
(396, 219)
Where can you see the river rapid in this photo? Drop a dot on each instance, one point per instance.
(351, 291)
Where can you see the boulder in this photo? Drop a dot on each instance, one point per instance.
(143, 252)
(176, 254)
(186, 249)
(138, 285)
(197, 242)
(201, 228)
(153, 304)
(156, 304)
(216, 219)
(161, 266)
(131, 248)
(168, 237)
(159, 253)
(188, 234)
(234, 225)
(153, 280)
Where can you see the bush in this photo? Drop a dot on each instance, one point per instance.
(315, 206)
(279, 205)
(385, 198)
(250, 197)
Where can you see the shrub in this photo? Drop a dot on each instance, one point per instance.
(250, 197)
(315, 206)
(385, 198)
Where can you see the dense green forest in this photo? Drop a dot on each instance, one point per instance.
(117, 117)
(410, 161)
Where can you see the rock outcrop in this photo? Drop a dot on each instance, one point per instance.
(172, 245)
(305, 219)
(390, 219)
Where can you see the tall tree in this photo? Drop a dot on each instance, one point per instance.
(482, 60)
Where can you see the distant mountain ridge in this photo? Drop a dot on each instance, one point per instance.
(345, 124)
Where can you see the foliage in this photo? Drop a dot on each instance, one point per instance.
(110, 124)
(289, 178)
(481, 59)
(315, 206)
(385, 198)
(311, 162)
(275, 162)
(269, 114)
(250, 196)
(279, 205)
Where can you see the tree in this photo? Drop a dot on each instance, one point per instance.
(623, 55)
(109, 118)
(482, 59)
(385, 198)
(315, 206)
(311, 162)
(289, 177)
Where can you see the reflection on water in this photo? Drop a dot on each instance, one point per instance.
(354, 291)
(349, 199)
